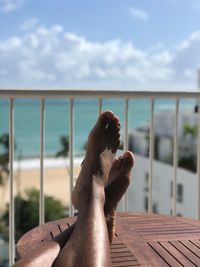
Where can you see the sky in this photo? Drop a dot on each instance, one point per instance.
(107, 44)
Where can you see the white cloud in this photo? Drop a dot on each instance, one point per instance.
(7, 6)
(138, 13)
(29, 24)
(51, 57)
(187, 58)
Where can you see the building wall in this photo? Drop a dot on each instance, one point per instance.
(162, 183)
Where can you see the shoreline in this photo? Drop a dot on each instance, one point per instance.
(50, 162)
(34, 163)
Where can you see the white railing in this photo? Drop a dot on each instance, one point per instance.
(100, 95)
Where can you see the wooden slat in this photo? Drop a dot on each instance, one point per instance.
(186, 252)
(63, 226)
(167, 231)
(191, 247)
(122, 256)
(55, 230)
(165, 256)
(179, 256)
(156, 225)
(196, 243)
(125, 264)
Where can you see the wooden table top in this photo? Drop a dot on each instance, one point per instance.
(140, 240)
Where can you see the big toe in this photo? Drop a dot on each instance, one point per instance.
(128, 161)
(113, 126)
(105, 117)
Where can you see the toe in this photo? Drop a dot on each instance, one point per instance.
(115, 142)
(128, 161)
(114, 163)
(115, 147)
(113, 125)
(116, 120)
(105, 117)
(119, 162)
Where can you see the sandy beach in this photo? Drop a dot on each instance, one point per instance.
(56, 178)
(56, 183)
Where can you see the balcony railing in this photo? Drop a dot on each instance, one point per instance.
(71, 95)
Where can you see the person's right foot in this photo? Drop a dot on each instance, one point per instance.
(118, 182)
(104, 135)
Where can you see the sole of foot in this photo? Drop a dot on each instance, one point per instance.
(104, 136)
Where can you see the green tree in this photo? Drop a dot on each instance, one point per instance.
(4, 157)
(188, 163)
(188, 129)
(4, 171)
(27, 211)
(4, 230)
(64, 152)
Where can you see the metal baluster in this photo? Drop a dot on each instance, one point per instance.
(198, 159)
(175, 157)
(11, 185)
(71, 152)
(42, 129)
(126, 142)
(100, 101)
(151, 156)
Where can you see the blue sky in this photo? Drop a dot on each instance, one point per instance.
(100, 44)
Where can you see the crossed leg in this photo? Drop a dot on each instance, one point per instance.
(105, 134)
(89, 244)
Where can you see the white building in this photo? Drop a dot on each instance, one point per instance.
(162, 189)
(163, 172)
(164, 134)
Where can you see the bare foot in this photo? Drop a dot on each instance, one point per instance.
(117, 184)
(104, 136)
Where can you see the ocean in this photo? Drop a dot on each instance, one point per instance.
(27, 121)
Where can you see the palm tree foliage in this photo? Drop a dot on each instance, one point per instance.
(188, 129)
(4, 156)
(64, 141)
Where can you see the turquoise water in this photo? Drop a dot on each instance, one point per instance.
(27, 121)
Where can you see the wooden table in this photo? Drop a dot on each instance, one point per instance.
(140, 240)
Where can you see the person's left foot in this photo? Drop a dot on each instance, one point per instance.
(104, 136)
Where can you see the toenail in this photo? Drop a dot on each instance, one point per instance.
(109, 115)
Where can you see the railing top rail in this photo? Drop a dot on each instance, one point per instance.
(69, 93)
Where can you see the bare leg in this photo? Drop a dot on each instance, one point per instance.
(89, 244)
(43, 256)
